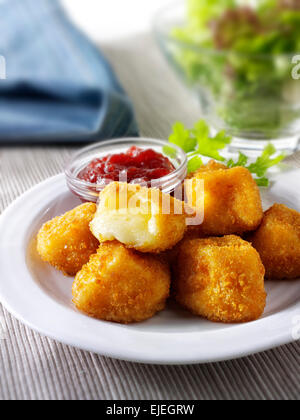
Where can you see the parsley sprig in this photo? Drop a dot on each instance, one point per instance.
(198, 142)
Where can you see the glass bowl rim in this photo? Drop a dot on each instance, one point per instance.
(159, 33)
(112, 142)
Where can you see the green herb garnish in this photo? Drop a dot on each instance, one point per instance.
(198, 143)
(207, 145)
(182, 138)
(265, 161)
(194, 163)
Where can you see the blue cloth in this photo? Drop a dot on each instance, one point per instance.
(59, 87)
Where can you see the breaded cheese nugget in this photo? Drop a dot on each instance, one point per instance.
(66, 242)
(212, 165)
(139, 217)
(230, 199)
(121, 285)
(221, 279)
(278, 242)
(170, 256)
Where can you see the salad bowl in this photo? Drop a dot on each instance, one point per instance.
(250, 88)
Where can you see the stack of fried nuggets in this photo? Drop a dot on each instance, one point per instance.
(124, 279)
(128, 252)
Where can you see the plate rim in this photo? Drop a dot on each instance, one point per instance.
(140, 339)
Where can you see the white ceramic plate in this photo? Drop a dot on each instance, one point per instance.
(40, 296)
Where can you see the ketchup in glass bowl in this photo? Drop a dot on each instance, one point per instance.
(136, 165)
(133, 160)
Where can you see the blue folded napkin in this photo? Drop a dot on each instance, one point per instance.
(58, 86)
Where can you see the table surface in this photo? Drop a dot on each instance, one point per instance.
(36, 367)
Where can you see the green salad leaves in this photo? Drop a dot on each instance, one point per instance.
(238, 57)
(198, 143)
(267, 26)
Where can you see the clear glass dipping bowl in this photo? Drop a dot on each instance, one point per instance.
(87, 191)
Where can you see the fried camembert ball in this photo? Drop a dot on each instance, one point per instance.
(122, 285)
(278, 242)
(139, 217)
(221, 279)
(66, 242)
(229, 199)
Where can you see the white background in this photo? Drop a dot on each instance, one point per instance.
(111, 19)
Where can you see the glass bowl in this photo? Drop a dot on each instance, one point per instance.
(87, 191)
(253, 97)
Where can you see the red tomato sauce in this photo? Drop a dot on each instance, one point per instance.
(134, 166)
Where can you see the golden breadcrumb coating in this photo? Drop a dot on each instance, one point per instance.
(278, 242)
(66, 242)
(221, 279)
(139, 217)
(170, 256)
(121, 285)
(230, 199)
(212, 165)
